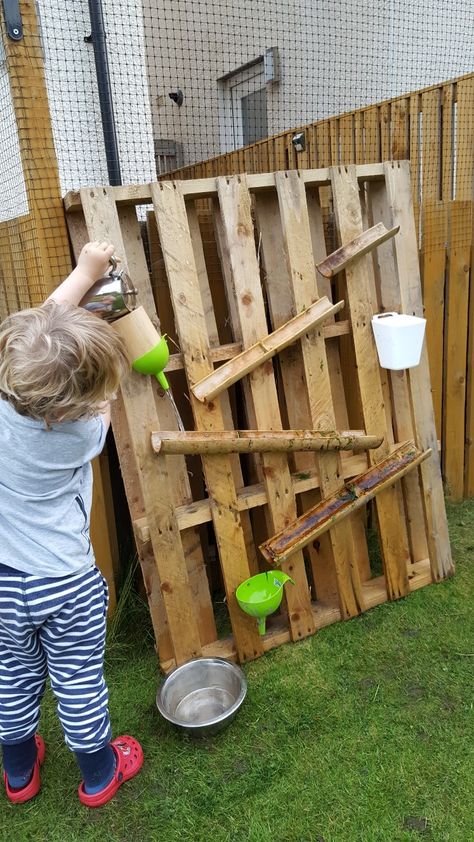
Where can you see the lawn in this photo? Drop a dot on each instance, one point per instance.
(362, 733)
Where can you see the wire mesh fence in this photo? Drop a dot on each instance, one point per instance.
(131, 90)
(191, 79)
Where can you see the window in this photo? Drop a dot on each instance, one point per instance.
(243, 102)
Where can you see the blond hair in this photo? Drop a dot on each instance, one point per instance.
(59, 362)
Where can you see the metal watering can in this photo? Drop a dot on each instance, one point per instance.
(112, 296)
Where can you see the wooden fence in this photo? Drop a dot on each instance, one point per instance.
(433, 129)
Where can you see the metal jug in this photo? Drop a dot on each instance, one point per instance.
(112, 296)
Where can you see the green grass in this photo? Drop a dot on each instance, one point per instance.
(360, 733)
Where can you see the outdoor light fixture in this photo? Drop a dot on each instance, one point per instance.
(299, 141)
(177, 97)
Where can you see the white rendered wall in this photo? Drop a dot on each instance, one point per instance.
(73, 97)
(335, 55)
(13, 199)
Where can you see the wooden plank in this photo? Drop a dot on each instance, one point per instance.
(323, 143)
(260, 525)
(263, 350)
(345, 255)
(388, 291)
(359, 137)
(158, 279)
(401, 206)
(304, 289)
(140, 194)
(336, 351)
(183, 278)
(469, 457)
(281, 306)
(179, 483)
(399, 125)
(251, 497)
(393, 531)
(259, 441)
(456, 347)
(384, 121)
(235, 207)
(103, 222)
(279, 152)
(372, 135)
(431, 175)
(343, 503)
(346, 130)
(8, 268)
(435, 237)
(212, 304)
(415, 155)
(447, 163)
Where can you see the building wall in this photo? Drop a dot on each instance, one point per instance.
(13, 196)
(73, 97)
(335, 56)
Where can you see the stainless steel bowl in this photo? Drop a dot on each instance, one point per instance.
(202, 696)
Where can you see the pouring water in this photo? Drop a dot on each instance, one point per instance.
(169, 395)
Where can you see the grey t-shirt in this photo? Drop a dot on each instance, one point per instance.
(46, 492)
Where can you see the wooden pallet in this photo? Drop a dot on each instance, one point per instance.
(218, 294)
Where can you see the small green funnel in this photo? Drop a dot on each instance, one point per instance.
(261, 595)
(154, 362)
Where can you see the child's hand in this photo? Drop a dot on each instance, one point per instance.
(94, 260)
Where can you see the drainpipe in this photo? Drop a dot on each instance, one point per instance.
(99, 42)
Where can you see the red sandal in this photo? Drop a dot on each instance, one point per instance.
(19, 796)
(129, 755)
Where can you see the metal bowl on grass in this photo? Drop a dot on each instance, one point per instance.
(202, 696)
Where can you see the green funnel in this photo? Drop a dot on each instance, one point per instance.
(261, 595)
(154, 362)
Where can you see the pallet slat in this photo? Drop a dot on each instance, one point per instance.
(178, 253)
(397, 178)
(103, 221)
(392, 525)
(303, 285)
(237, 226)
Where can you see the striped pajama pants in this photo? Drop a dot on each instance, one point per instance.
(54, 627)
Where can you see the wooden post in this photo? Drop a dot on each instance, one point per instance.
(260, 441)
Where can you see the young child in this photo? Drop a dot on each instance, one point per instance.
(59, 366)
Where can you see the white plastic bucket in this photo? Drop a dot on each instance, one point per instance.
(399, 340)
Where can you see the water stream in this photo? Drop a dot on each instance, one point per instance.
(169, 394)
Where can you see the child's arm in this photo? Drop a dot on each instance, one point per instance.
(92, 265)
